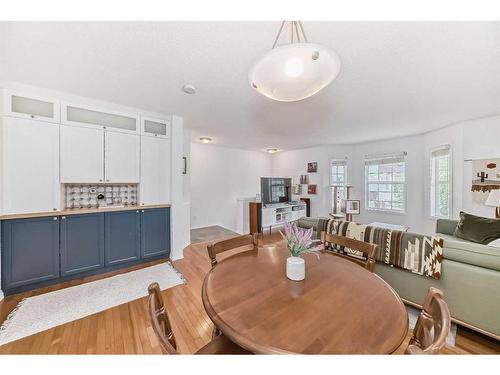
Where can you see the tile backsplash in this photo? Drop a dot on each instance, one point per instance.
(105, 195)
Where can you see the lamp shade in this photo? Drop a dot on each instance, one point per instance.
(493, 198)
(295, 71)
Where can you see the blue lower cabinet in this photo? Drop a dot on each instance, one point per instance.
(155, 232)
(82, 243)
(123, 241)
(30, 251)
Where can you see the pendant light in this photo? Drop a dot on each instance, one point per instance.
(294, 71)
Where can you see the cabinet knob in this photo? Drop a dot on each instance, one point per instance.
(64, 217)
(32, 116)
(137, 211)
(107, 180)
(100, 180)
(54, 209)
(142, 210)
(104, 127)
(54, 218)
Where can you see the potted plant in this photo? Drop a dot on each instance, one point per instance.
(298, 242)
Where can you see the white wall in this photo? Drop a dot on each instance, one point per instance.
(475, 139)
(294, 163)
(219, 176)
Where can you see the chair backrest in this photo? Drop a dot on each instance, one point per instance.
(159, 320)
(232, 243)
(368, 249)
(433, 325)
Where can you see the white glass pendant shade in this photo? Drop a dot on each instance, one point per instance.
(295, 71)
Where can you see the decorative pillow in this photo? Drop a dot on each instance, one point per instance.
(477, 229)
(495, 243)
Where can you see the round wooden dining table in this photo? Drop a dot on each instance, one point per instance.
(340, 308)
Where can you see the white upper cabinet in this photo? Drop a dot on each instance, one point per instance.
(85, 116)
(122, 153)
(155, 127)
(155, 171)
(33, 107)
(30, 166)
(82, 155)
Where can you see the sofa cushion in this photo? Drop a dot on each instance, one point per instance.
(477, 229)
(470, 253)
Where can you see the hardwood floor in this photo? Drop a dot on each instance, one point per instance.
(125, 329)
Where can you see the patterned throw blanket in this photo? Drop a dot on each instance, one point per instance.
(413, 252)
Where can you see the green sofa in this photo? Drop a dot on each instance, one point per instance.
(470, 280)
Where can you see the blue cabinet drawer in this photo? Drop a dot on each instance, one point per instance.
(155, 232)
(30, 251)
(123, 237)
(82, 243)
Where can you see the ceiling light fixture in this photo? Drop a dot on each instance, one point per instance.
(205, 139)
(272, 150)
(294, 71)
(189, 89)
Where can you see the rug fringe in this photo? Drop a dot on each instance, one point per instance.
(181, 276)
(9, 318)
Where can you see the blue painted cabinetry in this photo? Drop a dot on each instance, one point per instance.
(155, 232)
(82, 243)
(30, 251)
(41, 251)
(123, 240)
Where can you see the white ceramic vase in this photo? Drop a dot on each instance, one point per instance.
(295, 268)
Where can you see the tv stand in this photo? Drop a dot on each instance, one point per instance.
(272, 215)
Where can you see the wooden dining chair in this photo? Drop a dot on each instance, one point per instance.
(433, 325)
(368, 249)
(230, 244)
(163, 329)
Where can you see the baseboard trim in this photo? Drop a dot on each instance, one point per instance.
(458, 321)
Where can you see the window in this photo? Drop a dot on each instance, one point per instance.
(385, 185)
(441, 182)
(338, 177)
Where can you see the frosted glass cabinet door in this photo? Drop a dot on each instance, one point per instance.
(155, 171)
(31, 107)
(82, 154)
(30, 166)
(122, 157)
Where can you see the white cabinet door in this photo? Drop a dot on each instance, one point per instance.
(82, 155)
(122, 152)
(30, 158)
(155, 171)
(25, 105)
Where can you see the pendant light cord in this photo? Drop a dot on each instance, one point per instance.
(295, 28)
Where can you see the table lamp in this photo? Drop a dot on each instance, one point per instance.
(494, 201)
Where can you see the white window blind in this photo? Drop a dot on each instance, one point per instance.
(385, 182)
(440, 189)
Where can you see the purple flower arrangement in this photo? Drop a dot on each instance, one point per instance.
(298, 240)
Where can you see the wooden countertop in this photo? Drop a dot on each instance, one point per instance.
(78, 211)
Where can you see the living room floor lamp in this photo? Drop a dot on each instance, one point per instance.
(494, 201)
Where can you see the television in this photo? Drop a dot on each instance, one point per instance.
(275, 189)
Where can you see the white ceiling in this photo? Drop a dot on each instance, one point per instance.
(397, 78)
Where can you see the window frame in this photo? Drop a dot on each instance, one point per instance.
(434, 182)
(404, 183)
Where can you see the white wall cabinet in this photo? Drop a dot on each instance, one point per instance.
(30, 166)
(155, 127)
(122, 153)
(82, 155)
(18, 104)
(155, 171)
(79, 115)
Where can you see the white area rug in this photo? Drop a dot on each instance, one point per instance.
(413, 314)
(36, 314)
